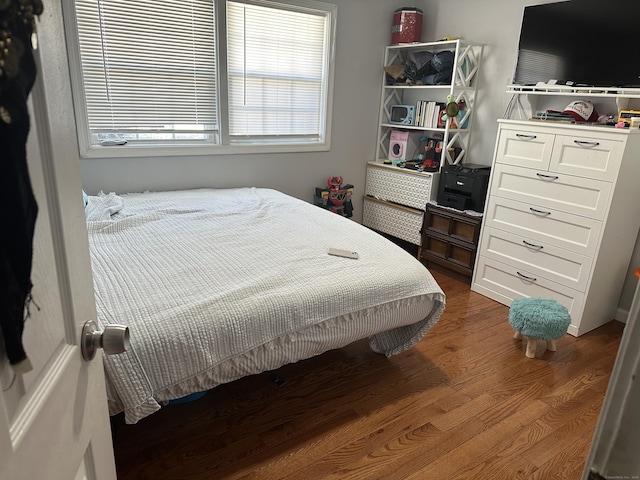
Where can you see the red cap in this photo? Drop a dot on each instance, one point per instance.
(582, 111)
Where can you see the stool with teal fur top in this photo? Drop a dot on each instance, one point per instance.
(538, 319)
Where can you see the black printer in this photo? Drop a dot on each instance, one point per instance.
(464, 186)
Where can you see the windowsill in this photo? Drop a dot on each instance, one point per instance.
(136, 151)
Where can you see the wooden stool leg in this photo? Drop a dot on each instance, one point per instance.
(531, 347)
(517, 335)
(551, 345)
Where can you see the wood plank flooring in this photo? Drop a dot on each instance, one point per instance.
(465, 403)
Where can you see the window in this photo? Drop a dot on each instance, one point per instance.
(207, 75)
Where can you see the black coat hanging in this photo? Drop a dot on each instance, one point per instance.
(19, 208)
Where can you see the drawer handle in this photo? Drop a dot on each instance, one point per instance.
(532, 245)
(540, 212)
(530, 279)
(522, 135)
(550, 177)
(586, 144)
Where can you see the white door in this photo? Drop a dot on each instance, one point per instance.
(53, 420)
(614, 451)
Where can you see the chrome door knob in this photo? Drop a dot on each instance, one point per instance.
(113, 339)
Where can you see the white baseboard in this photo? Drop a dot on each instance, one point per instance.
(622, 315)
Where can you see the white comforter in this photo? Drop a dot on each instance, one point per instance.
(218, 284)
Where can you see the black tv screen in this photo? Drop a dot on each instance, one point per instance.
(587, 42)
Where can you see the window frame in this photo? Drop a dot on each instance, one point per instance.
(223, 147)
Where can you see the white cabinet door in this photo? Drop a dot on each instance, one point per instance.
(54, 420)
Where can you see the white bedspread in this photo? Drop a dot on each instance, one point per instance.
(218, 284)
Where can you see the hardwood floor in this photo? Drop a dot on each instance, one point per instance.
(465, 403)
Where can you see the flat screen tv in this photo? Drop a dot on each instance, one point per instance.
(593, 43)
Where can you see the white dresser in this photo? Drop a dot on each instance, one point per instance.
(562, 217)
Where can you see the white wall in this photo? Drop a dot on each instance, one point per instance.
(363, 29)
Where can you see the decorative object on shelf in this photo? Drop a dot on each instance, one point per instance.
(538, 319)
(451, 110)
(402, 146)
(336, 197)
(407, 25)
(402, 115)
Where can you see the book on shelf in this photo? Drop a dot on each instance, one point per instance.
(552, 116)
(441, 111)
(428, 113)
(437, 115)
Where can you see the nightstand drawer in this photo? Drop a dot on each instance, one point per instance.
(456, 255)
(392, 184)
(541, 260)
(567, 193)
(456, 224)
(403, 223)
(570, 232)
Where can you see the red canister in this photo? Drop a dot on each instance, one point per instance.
(407, 25)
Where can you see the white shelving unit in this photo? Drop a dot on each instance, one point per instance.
(463, 86)
(606, 100)
(395, 198)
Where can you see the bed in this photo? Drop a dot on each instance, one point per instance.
(217, 284)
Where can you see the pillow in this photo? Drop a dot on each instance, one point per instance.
(103, 206)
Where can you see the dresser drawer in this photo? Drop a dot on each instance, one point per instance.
(403, 223)
(569, 232)
(413, 189)
(541, 260)
(504, 283)
(587, 157)
(525, 148)
(567, 193)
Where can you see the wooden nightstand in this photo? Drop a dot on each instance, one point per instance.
(450, 238)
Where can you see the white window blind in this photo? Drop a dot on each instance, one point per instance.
(277, 72)
(148, 69)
